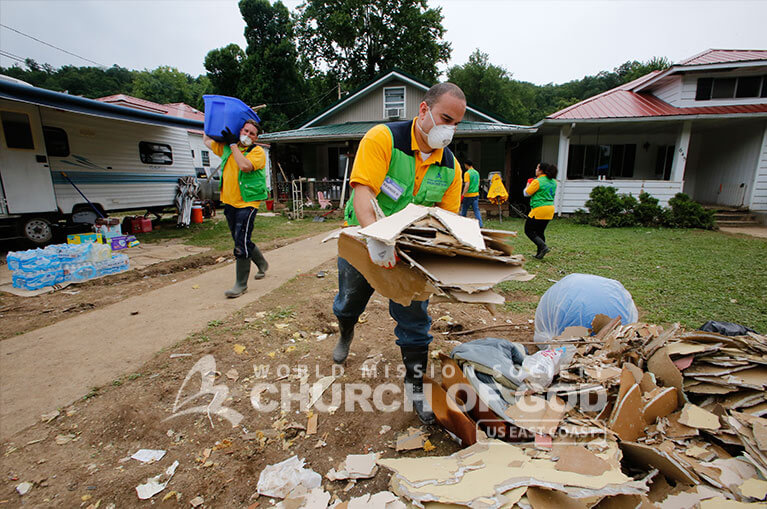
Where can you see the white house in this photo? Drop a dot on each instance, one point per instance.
(699, 127)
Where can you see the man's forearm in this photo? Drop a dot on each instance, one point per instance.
(362, 207)
(242, 161)
(465, 189)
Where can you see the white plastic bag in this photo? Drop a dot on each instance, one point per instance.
(539, 369)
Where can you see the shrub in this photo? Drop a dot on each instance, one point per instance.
(608, 209)
(648, 212)
(685, 213)
(581, 216)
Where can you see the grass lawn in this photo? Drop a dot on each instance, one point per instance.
(686, 276)
(215, 233)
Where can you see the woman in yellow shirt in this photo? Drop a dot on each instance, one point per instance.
(541, 191)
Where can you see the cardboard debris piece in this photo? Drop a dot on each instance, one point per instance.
(439, 253)
(380, 500)
(695, 417)
(280, 479)
(479, 475)
(537, 414)
(156, 484)
(355, 466)
(414, 438)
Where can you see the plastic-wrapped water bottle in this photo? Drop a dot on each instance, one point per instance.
(83, 271)
(538, 370)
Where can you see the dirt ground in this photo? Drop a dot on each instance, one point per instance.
(81, 457)
(23, 314)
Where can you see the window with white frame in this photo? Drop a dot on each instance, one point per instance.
(394, 102)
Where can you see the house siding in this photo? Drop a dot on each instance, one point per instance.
(722, 164)
(759, 193)
(370, 107)
(690, 86)
(670, 91)
(576, 192)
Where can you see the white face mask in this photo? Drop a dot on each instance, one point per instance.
(440, 136)
(245, 140)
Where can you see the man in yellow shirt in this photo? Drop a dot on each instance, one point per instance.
(243, 186)
(396, 164)
(471, 192)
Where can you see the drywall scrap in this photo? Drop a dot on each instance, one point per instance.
(498, 467)
(625, 408)
(439, 252)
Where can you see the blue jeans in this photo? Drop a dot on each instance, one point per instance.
(472, 202)
(413, 321)
(240, 222)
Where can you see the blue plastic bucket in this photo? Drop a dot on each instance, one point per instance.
(222, 111)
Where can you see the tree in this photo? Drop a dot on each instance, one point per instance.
(490, 87)
(357, 39)
(224, 66)
(169, 85)
(633, 69)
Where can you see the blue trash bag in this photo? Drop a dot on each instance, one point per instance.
(576, 299)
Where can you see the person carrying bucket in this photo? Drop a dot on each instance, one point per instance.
(243, 187)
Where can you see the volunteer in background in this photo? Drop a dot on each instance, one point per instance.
(243, 186)
(541, 191)
(396, 164)
(471, 192)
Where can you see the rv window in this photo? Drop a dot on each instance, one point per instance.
(56, 142)
(205, 157)
(155, 153)
(18, 133)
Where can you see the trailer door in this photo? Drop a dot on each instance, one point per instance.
(24, 169)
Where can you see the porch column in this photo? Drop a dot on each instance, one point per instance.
(563, 153)
(680, 154)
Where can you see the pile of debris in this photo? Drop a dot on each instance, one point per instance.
(444, 254)
(641, 416)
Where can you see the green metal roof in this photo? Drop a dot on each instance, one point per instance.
(356, 130)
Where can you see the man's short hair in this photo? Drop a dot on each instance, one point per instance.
(254, 124)
(440, 89)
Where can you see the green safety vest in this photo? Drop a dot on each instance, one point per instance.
(545, 195)
(252, 183)
(473, 181)
(401, 171)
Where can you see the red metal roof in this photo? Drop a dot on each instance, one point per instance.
(623, 102)
(182, 110)
(722, 56)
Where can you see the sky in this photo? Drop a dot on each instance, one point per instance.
(540, 41)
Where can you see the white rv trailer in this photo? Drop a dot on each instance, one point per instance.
(119, 158)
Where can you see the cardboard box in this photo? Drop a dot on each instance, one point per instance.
(109, 231)
(118, 243)
(85, 238)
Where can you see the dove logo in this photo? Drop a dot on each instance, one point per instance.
(206, 367)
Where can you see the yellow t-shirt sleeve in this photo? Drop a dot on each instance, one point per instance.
(451, 200)
(532, 188)
(257, 156)
(466, 177)
(217, 147)
(371, 164)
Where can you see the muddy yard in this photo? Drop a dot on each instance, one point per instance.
(80, 455)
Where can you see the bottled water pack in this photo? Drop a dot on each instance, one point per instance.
(37, 268)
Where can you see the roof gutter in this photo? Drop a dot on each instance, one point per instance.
(42, 97)
(709, 116)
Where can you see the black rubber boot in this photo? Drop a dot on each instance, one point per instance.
(346, 334)
(542, 248)
(415, 359)
(242, 270)
(260, 262)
